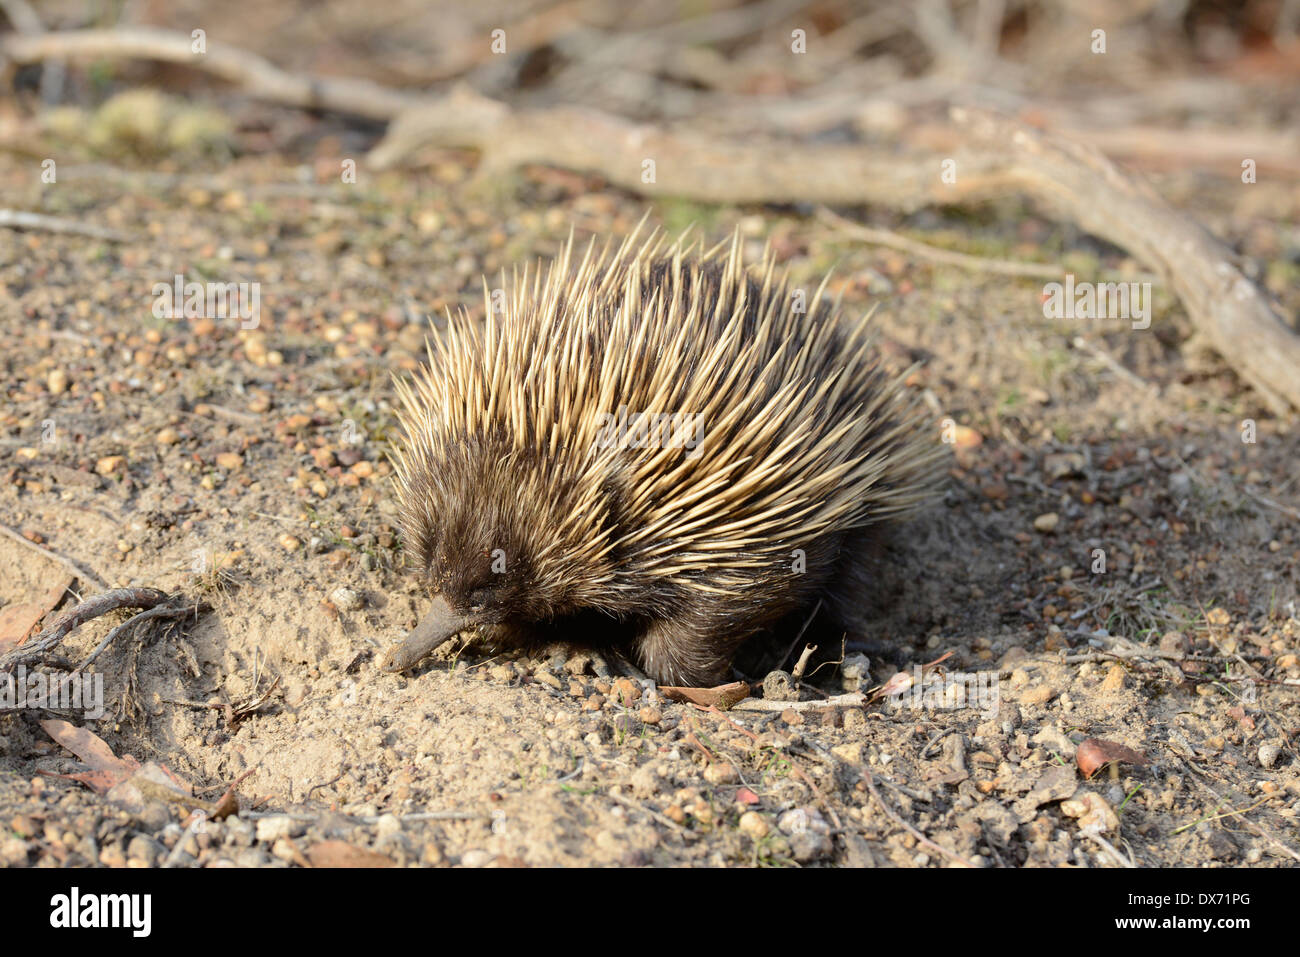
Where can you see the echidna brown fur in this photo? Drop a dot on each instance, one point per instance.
(528, 510)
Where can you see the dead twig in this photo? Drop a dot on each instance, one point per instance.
(1260, 830)
(801, 665)
(1113, 364)
(82, 613)
(907, 826)
(161, 611)
(255, 75)
(892, 240)
(1277, 506)
(714, 710)
(855, 699)
(67, 563)
(692, 740)
(1108, 847)
(20, 219)
(656, 815)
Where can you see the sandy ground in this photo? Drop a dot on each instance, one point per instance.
(1102, 498)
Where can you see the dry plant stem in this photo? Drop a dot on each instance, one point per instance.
(240, 713)
(18, 219)
(1108, 847)
(67, 563)
(1202, 780)
(802, 664)
(655, 815)
(692, 740)
(1278, 506)
(821, 799)
(82, 613)
(161, 611)
(255, 75)
(715, 710)
(854, 699)
(893, 240)
(909, 828)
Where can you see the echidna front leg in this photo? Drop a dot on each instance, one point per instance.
(675, 651)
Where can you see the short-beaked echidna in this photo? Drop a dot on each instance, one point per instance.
(661, 450)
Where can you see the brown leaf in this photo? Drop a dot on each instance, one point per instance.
(343, 854)
(124, 781)
(897, 684)
(1095, 753)
(17, 622)
(91, 749)
(722, 696)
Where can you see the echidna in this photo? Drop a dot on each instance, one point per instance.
(661, 450)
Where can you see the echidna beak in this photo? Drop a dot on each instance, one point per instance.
(441, 624)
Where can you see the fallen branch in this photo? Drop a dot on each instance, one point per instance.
(1227, 307)
(17, 219)
(161, 611)
(47, 640)
(1000, 157)
(253, 74)
(854, 699)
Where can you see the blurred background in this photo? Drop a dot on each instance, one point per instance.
(1225, 74)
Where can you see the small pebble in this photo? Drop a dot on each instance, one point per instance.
(345, 599)
(754, 825)
(720, 772)
(271, 829)
(1268, 754)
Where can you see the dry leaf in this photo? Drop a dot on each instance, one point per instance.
(17, 622)
(124, 781)
(343, 854)
(722, 696)
(106, 768)
(1095, 753)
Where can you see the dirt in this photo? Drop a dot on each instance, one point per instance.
(1091, 516)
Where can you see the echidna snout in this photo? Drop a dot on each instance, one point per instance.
(758, 445)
